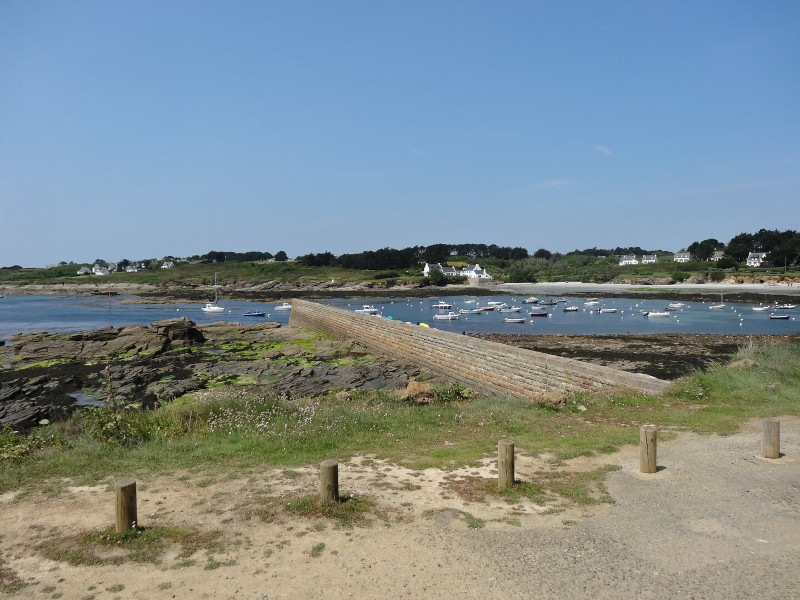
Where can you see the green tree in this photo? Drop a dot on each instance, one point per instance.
(281, 256)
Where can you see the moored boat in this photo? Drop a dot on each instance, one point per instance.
(254, 313)
(441, 305)
(367, 309)
(656, 313)
(570, 309)
(513, 320)
(531, 300)
(213, 307)
(509, 309)
(779, 317)
(284, 306)
(607, 310)
(538, 313)
(448, 316)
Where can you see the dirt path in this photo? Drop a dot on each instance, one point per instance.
(716, 521)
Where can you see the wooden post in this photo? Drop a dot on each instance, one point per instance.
(329, 482)
(772, 438)
(126, 505)
(647, 449)
(505, 464)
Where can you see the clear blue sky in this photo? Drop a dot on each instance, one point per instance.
(141, 129)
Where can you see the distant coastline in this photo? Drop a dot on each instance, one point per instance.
(275, 290)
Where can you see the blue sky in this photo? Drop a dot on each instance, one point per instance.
(148, 128)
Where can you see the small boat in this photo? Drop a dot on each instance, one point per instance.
(254, 313)
(564, 300)
(508, 309)
(656, 313)
(284, 306)
(570, 309)
(675, 305)
(441, 305)
(785, 306)
(213, 307)
(780, 317)
(494, 303)
(531, 300)
(470, 311)
(448, 316)
(761, 308)
(719, 306)
(591, 303)
(367, 309)
(486, 308)
(548, 302)
(539, 313)
(513, 320)
(607, 310)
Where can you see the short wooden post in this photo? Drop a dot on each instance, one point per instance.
(126, 505)
(772, 438)
(647, 449)
(505, 464)
(329, 482)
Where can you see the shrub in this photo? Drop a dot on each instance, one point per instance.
(679, 276)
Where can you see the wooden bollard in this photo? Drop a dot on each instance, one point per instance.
(505, 464)
(772, 438)
(126, 505)
(647, 449)
(329, 482)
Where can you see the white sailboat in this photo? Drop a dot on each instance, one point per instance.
(213, 307)
(719, 306)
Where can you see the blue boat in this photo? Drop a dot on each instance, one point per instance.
(254, 313)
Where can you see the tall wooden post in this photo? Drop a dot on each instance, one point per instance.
(772, 438)
(505, 464)
(329, 482)
(647, 449)
(126, 505)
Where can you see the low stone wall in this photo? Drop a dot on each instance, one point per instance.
(488, 367)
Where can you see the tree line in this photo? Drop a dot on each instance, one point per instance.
(781, 247)
(411, 257)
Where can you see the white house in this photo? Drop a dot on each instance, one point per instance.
(168, 265)
(448, 271)
(648, 259)
(475, 272)
(682, 257)
(98, 270)
(754, 259)
(628, 259)
(84, 271)
(717, 255)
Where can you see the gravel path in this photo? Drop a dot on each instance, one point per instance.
(716, 521)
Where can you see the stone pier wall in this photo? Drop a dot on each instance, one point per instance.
(488, 367)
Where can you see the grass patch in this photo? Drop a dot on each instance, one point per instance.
(141, 545)
(347, 512)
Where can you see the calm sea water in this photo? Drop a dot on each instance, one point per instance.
(59, 314)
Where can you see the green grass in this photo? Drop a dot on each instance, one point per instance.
(235, 427)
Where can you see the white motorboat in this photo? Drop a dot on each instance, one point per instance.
(513, 320)
(675, 305)
(761, 308)
(607, 310)
(785, 306)
(570, 309)
(448, 316)
(652, 314)
(213, 307)
(471, 311)
(531, 300)
(367, 309)
(284, 306)
(509, 309)
(441, 305)
(591, 303)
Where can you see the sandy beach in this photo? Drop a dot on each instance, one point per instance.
(717, 521)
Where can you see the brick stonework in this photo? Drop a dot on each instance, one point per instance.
(488, 367)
